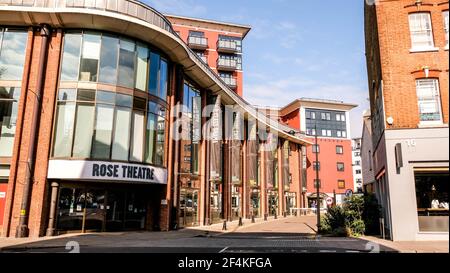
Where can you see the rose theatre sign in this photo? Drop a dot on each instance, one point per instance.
(105, 171)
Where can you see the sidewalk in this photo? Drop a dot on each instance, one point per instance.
(412, 247)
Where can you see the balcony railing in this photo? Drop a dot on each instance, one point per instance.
(227, 64)
(227, 46)
(197, 42)
(230, 81)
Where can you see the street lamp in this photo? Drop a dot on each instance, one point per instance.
(317, 179)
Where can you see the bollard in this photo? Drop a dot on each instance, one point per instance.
(276, 217)
(265, 217)
(224, 225)
(285, 214)
(240, 222)
(253, 219)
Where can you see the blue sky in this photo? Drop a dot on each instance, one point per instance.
(296, 48)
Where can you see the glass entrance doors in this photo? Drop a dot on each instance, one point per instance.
(255, 199)
(273, 202)
(291, 201)
(236, 208)
(216, 207)
(189, 207)
(109, 208)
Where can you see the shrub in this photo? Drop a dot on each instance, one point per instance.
(371, 214)
(352, 219)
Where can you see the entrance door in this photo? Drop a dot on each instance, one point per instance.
(115, 211)
(189, 207)
(236, 202)
(255, 203)
(273, 202)
(135, 211)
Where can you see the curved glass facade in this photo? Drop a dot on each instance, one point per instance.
(126, 120)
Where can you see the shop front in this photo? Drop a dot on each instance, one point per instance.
(104, 196)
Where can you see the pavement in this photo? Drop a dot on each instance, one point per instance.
(283, 235)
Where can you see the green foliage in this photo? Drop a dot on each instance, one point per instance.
(352, 218)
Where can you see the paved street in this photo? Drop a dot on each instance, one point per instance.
(286, 235)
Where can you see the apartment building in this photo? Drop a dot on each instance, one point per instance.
(329, 120)
(218, 44)
(407, 45)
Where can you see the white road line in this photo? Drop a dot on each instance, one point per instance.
(353, 251)
(223, 250)
(328, 251)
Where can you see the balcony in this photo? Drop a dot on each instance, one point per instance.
(196, 42)
(227, 64)
(227, 46)
(230, 81)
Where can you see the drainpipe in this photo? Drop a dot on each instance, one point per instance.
(22, 229)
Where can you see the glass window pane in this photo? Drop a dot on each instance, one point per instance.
(124, 100)
(86, 95)
(126, 63)
(90, 57)
(103, 131)
(108, 60)
(150, 142)
(8, 119)
(12, 55)
(140, 104)
(83, 131)
(142, 64)
(64, 129)
(138, 137)
(67, 95)
(163, 80)
(106, 97)
(71, 57)
(121, 144)
(154, 74)
(160, 140)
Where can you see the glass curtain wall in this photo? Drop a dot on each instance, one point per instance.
(216, 160)
(12, 58)
(106, 124)
(190, 156)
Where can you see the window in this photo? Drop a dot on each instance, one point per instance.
(328, 116)
(317, 182)
(316, 166)
(432, 189)
(421, 30)
(103, 125)
(71, 57)
(308, 115)
(84, 127)
(341, 184)
(9, 104)
(339, 150)
(329, 133)
(316, 148)
(163, 79)
(358, 171)
(121, 142)
(12, 54)
(108, 60)
(338, 117)
(90, 57)
(154, 74)
(429, 100)
(323, 116)
(141, 67)
(126, 63)
(445, 15)
(137, 141)
(313, 115)
(340, 167)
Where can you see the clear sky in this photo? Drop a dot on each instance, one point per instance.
(296, 48)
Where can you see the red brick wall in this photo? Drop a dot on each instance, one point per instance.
(211, 52)
(328, 159)
(400, 67)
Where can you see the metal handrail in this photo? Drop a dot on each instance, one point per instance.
(196, 40)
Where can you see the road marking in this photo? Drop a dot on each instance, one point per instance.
(353, 251)
(328, 251)
(223, 250)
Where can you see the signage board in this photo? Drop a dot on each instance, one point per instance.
(105, 171)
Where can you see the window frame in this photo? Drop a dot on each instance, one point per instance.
(339, 164)
(437, 96)
(429, 32)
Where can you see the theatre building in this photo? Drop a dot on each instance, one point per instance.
(109, 121)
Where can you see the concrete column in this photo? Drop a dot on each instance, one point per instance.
(52, 214)
(280, 179)
(263, 184)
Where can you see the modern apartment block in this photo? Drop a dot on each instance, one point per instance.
(102, 127)
(330, 121)
(407, 45)
(357, 166)
(218, 44)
